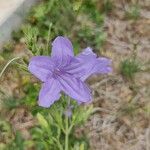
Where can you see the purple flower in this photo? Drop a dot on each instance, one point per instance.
(64, 72)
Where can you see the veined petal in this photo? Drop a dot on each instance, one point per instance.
(75, 88)
(75, 68)
(41, 67)
(101, 65)
(82, 63)
(50, 92)
(61, 63)
(87, 64)
(61, 47)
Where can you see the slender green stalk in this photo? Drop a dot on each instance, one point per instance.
(9, 62)
(58, 143)
(66, 134)
(48, 38)
(67, 129)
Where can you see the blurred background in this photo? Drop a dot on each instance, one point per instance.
(118, 29)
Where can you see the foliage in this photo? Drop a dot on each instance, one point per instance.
(51, 131)
(108, 6)
(6, 136)
(44, 23)
(18, 143)
(133, 12)
(129, 67)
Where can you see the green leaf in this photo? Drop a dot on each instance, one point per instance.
(42, 121)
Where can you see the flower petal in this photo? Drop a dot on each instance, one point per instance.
(41, 67)
(82, 63)
(75, 88)
(65, 61)
(87, 64)
(61, 47)
(50, 92)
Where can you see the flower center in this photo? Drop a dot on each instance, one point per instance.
(57, 71)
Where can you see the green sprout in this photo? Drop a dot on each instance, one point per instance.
(133, 12)
(129, 67)
(108, 6)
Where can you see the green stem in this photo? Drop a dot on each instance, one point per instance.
(9, 62)
(66, 134)
(48, 37)
(67, 129)
(58, 143)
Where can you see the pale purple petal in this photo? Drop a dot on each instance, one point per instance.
(50, 92)
(87, 64)
(61, 47)
(75, 68)
(75, 88)
(41, 67)
(82, 63)
(61, 63)
(101, 66)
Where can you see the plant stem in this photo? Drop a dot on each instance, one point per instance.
(9, 62)
(66, 135)
(58, 143)
(48, 38)
(67, 129)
